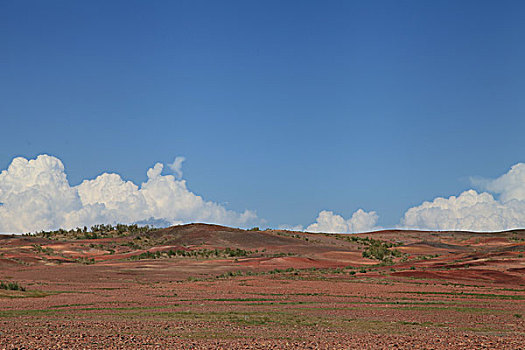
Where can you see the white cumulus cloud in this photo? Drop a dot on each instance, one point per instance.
(35, 195)
(476, 211)
(510, 186)
(176, 166)
(361, 221)
(291, 227)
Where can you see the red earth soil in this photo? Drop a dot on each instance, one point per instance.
(206, 286)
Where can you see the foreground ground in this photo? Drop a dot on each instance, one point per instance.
(264, 290)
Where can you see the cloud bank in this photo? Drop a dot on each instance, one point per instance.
(361, 221)
(500, 207)
(475, 211)
(35, 195)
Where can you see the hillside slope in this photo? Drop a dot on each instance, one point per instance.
(492, 257)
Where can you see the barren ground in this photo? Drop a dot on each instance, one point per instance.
(277, 290)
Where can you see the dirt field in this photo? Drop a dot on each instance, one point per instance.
(233, 289)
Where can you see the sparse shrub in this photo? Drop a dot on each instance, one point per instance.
(377, 249)
(145, 255)
(132, 245)
(85, 261)
(96, 231)
(39, 249)
(204, 253)
(11, 286)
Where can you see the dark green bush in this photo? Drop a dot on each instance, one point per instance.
(11, 286)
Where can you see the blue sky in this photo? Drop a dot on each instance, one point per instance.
(284, 108)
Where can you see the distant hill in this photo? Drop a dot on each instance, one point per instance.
(496, 256)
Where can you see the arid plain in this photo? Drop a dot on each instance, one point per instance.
(204, 286)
